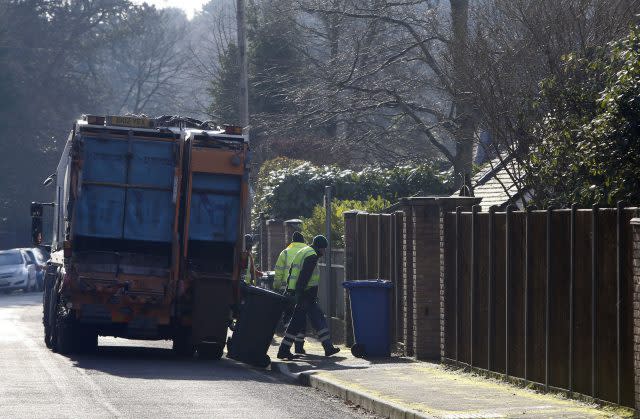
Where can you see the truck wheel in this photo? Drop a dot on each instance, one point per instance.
(65, 332)
(182, 345)
(52, 317)
(45, 316)
(210, 351)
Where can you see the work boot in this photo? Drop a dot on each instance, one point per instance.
(300, 348)
(285, 354)
(329, 350)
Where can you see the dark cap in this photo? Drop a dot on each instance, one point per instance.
(320, 242)
(297, 237)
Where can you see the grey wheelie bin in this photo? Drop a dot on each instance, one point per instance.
(259, 315)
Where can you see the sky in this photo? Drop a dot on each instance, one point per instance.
(189, 6)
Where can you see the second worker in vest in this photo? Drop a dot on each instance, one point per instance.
(283, 267)
(304, 279)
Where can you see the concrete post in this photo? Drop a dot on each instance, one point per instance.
(290, 226)
(263, 246)
(275, 241)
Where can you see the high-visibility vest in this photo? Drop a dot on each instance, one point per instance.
(296, 268)
(283, 264)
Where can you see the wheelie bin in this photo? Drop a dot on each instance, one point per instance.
(259, 314)
(370, 314)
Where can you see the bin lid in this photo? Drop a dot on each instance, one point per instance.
(250, 289)
(368, 283)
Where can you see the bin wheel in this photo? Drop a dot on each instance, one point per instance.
(210, 351)
(358, 351)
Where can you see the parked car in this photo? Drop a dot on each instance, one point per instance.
(42, 257)
(17, 271)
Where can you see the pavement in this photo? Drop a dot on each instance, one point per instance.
(138, 379)
(404, 388)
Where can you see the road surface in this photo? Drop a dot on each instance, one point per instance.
(137, 379)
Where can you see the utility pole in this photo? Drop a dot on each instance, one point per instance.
(242, 63)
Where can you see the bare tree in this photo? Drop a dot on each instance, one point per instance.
(148, 64)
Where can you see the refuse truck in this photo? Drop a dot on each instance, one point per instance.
(148, 222)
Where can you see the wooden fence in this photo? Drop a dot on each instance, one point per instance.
(374, 250)
(545, 296)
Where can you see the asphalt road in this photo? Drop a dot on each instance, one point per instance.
(137, 379)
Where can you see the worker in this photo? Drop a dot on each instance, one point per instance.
(283, 266)
(304, 280)
(251, 273)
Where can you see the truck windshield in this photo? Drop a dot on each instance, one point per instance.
(10, 258)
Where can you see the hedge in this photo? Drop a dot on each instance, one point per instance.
(288, 188)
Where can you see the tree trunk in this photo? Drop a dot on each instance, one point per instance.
(461, 97)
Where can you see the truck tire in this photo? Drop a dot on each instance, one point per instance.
(210, 351)
(65, 334)
(52, 316)
(45, 316)
(182, 345)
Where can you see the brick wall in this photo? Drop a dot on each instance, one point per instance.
(275, 242)
(426, 276)
(289, 227)
(635, 226)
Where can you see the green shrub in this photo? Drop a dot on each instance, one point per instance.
(292, 188)
(315, 224)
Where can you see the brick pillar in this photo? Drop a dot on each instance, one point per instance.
(290, 226)
(407, 276)
(425, 225)
(263, 247)
(423, 288)
(447, 205)
(635, 226)
(275, 242)
(350, 240)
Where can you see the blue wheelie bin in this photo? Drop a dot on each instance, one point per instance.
(370, 314)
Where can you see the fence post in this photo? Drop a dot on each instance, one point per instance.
(457, 284)
(635, 227)
(527, 281)
(474, 275)
(329, 256)
(594, 290)
(572, 282)
(547, 298)
(619, 296)
(350, 250)
(492, 284)
(264, 248)
(507, 285)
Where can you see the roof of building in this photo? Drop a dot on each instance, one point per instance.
(496, 183)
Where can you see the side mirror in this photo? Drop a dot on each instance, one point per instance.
(36, 223)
